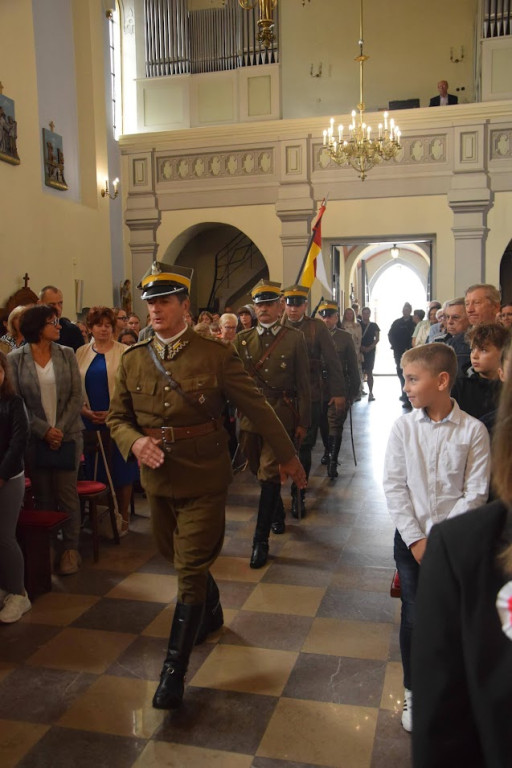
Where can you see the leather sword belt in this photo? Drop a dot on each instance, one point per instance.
(171, 434)
(274, 393)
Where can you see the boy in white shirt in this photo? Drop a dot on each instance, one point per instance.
(437, 466)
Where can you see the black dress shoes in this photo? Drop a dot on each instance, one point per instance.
(278, 527)
(259, 554)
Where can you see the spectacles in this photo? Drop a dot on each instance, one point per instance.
(122, 317)
(55, 322)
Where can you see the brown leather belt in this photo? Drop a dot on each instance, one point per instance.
(171, 434)
(277, 393)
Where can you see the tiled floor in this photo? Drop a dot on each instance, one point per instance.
(306, 671)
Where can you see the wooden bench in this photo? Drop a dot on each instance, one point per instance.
(34, 534)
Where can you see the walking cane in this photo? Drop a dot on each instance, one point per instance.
(300, 500)
(352, 434)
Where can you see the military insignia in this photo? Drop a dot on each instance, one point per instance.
(155, 268)
(168, 351)
(283, 365)
(244, 342)
(175, 349)
(202, 399)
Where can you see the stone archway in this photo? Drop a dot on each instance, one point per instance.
(395, 283)
(226, 264)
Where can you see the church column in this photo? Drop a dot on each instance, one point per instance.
(295, 205)
(142, 217)
(470, 199)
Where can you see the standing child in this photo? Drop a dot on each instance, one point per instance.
(14, 601)
(437, 466)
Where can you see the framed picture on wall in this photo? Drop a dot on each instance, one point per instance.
(53, 155)
(8, 131)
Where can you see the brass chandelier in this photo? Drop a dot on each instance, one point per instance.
(359, 149)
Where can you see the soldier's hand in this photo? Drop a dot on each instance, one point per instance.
(340, 403)
(147, 450)
(300, 434)
(294, 469)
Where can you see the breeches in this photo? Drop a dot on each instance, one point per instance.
(189, 533)
(260, 456)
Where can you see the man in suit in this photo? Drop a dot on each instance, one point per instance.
(171, 391)
(325, 371)
(444, 97)
(70, 334)
(276, 358)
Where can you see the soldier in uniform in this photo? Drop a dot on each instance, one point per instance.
(331, 420)
(276, 358)
(322, 357)
(167, 412)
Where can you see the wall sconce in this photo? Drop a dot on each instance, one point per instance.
(457, 59)
(106, 192)
(317, 72)
(395, 252)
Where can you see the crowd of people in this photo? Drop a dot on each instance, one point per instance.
(154, 401)
(452, 547)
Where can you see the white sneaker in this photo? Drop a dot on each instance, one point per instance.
(14, 608)
(407, 711)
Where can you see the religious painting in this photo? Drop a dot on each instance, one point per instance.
(8, 131)
(53, 160)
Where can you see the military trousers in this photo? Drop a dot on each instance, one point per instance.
(260, 457)
(189, 533)
(332, 421)
(309, 441)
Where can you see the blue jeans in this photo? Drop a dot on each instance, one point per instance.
(409, 572)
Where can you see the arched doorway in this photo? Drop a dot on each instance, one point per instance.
(506, 274)
(394, 284)
(225, 261)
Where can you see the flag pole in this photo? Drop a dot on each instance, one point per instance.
(316, 308)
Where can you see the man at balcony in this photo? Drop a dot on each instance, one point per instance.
(444, 98)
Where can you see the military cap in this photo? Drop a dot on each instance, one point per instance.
(296, 294)
(328, 308)
(266, 290)
(163, 279)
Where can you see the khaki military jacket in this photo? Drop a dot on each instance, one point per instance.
(283, 378)
(322, 357)
(209, 373)
(346, 349)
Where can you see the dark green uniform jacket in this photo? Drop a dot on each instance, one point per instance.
(345, 347)
(283, 378)
(322, 354)
(209, 373)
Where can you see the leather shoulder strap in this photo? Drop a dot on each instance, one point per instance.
(282, 333)
(177, 388)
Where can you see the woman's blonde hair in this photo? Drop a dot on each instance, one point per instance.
(16, 312)
(501, 468)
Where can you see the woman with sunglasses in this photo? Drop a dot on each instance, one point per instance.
(46, 376)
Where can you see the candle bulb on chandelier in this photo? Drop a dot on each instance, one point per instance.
(368, 131)
(380, 130)
(325, 138)
(340, 133)
(385, 121)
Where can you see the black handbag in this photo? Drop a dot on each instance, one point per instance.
(63, 458)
